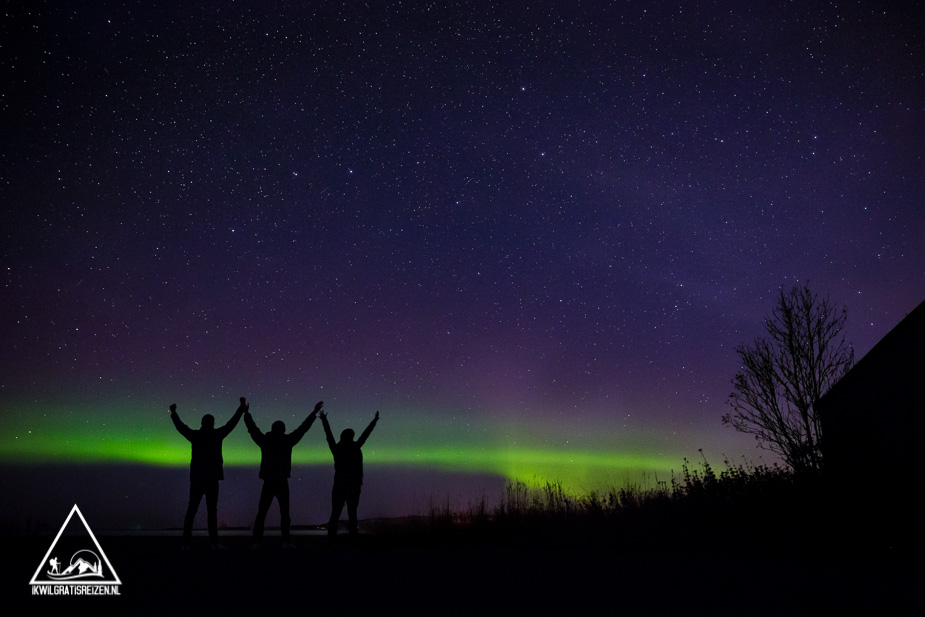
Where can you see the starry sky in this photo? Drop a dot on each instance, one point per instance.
(531, 234)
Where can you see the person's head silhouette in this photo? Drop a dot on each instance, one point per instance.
(278, 427)
(208, 421)
(347, 435)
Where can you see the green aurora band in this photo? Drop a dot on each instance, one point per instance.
(537, 456)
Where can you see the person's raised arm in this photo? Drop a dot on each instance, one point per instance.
(327, 431)
(255, 433)
(297, 434)
(229, 426)
(368, 431)
(177, 422)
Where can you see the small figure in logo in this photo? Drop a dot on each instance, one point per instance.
(348, 474)
(276, 467)
(205, 468)
(54, 563)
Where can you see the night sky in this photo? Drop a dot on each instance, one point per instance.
(530, 234)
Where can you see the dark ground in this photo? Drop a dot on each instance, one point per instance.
(389, 571)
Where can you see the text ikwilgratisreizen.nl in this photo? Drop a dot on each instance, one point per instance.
(75, 590)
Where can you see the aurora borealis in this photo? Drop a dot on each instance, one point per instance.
(530, 234)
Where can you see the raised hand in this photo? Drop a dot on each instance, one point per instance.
(318, 406)
(173, 408)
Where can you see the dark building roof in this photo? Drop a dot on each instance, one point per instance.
(873, 416)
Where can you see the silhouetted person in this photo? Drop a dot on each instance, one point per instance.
(276, 467)
(348, 473)
(205, 469)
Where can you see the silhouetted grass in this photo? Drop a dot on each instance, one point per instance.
(742, 507)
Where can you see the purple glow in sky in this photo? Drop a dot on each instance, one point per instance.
(518, 229)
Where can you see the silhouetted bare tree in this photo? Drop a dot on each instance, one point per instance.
(784, 375)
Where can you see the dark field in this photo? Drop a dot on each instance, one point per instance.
(389, 568)
(758, 541)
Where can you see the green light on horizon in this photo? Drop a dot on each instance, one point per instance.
(64, 436)
(586, 470)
